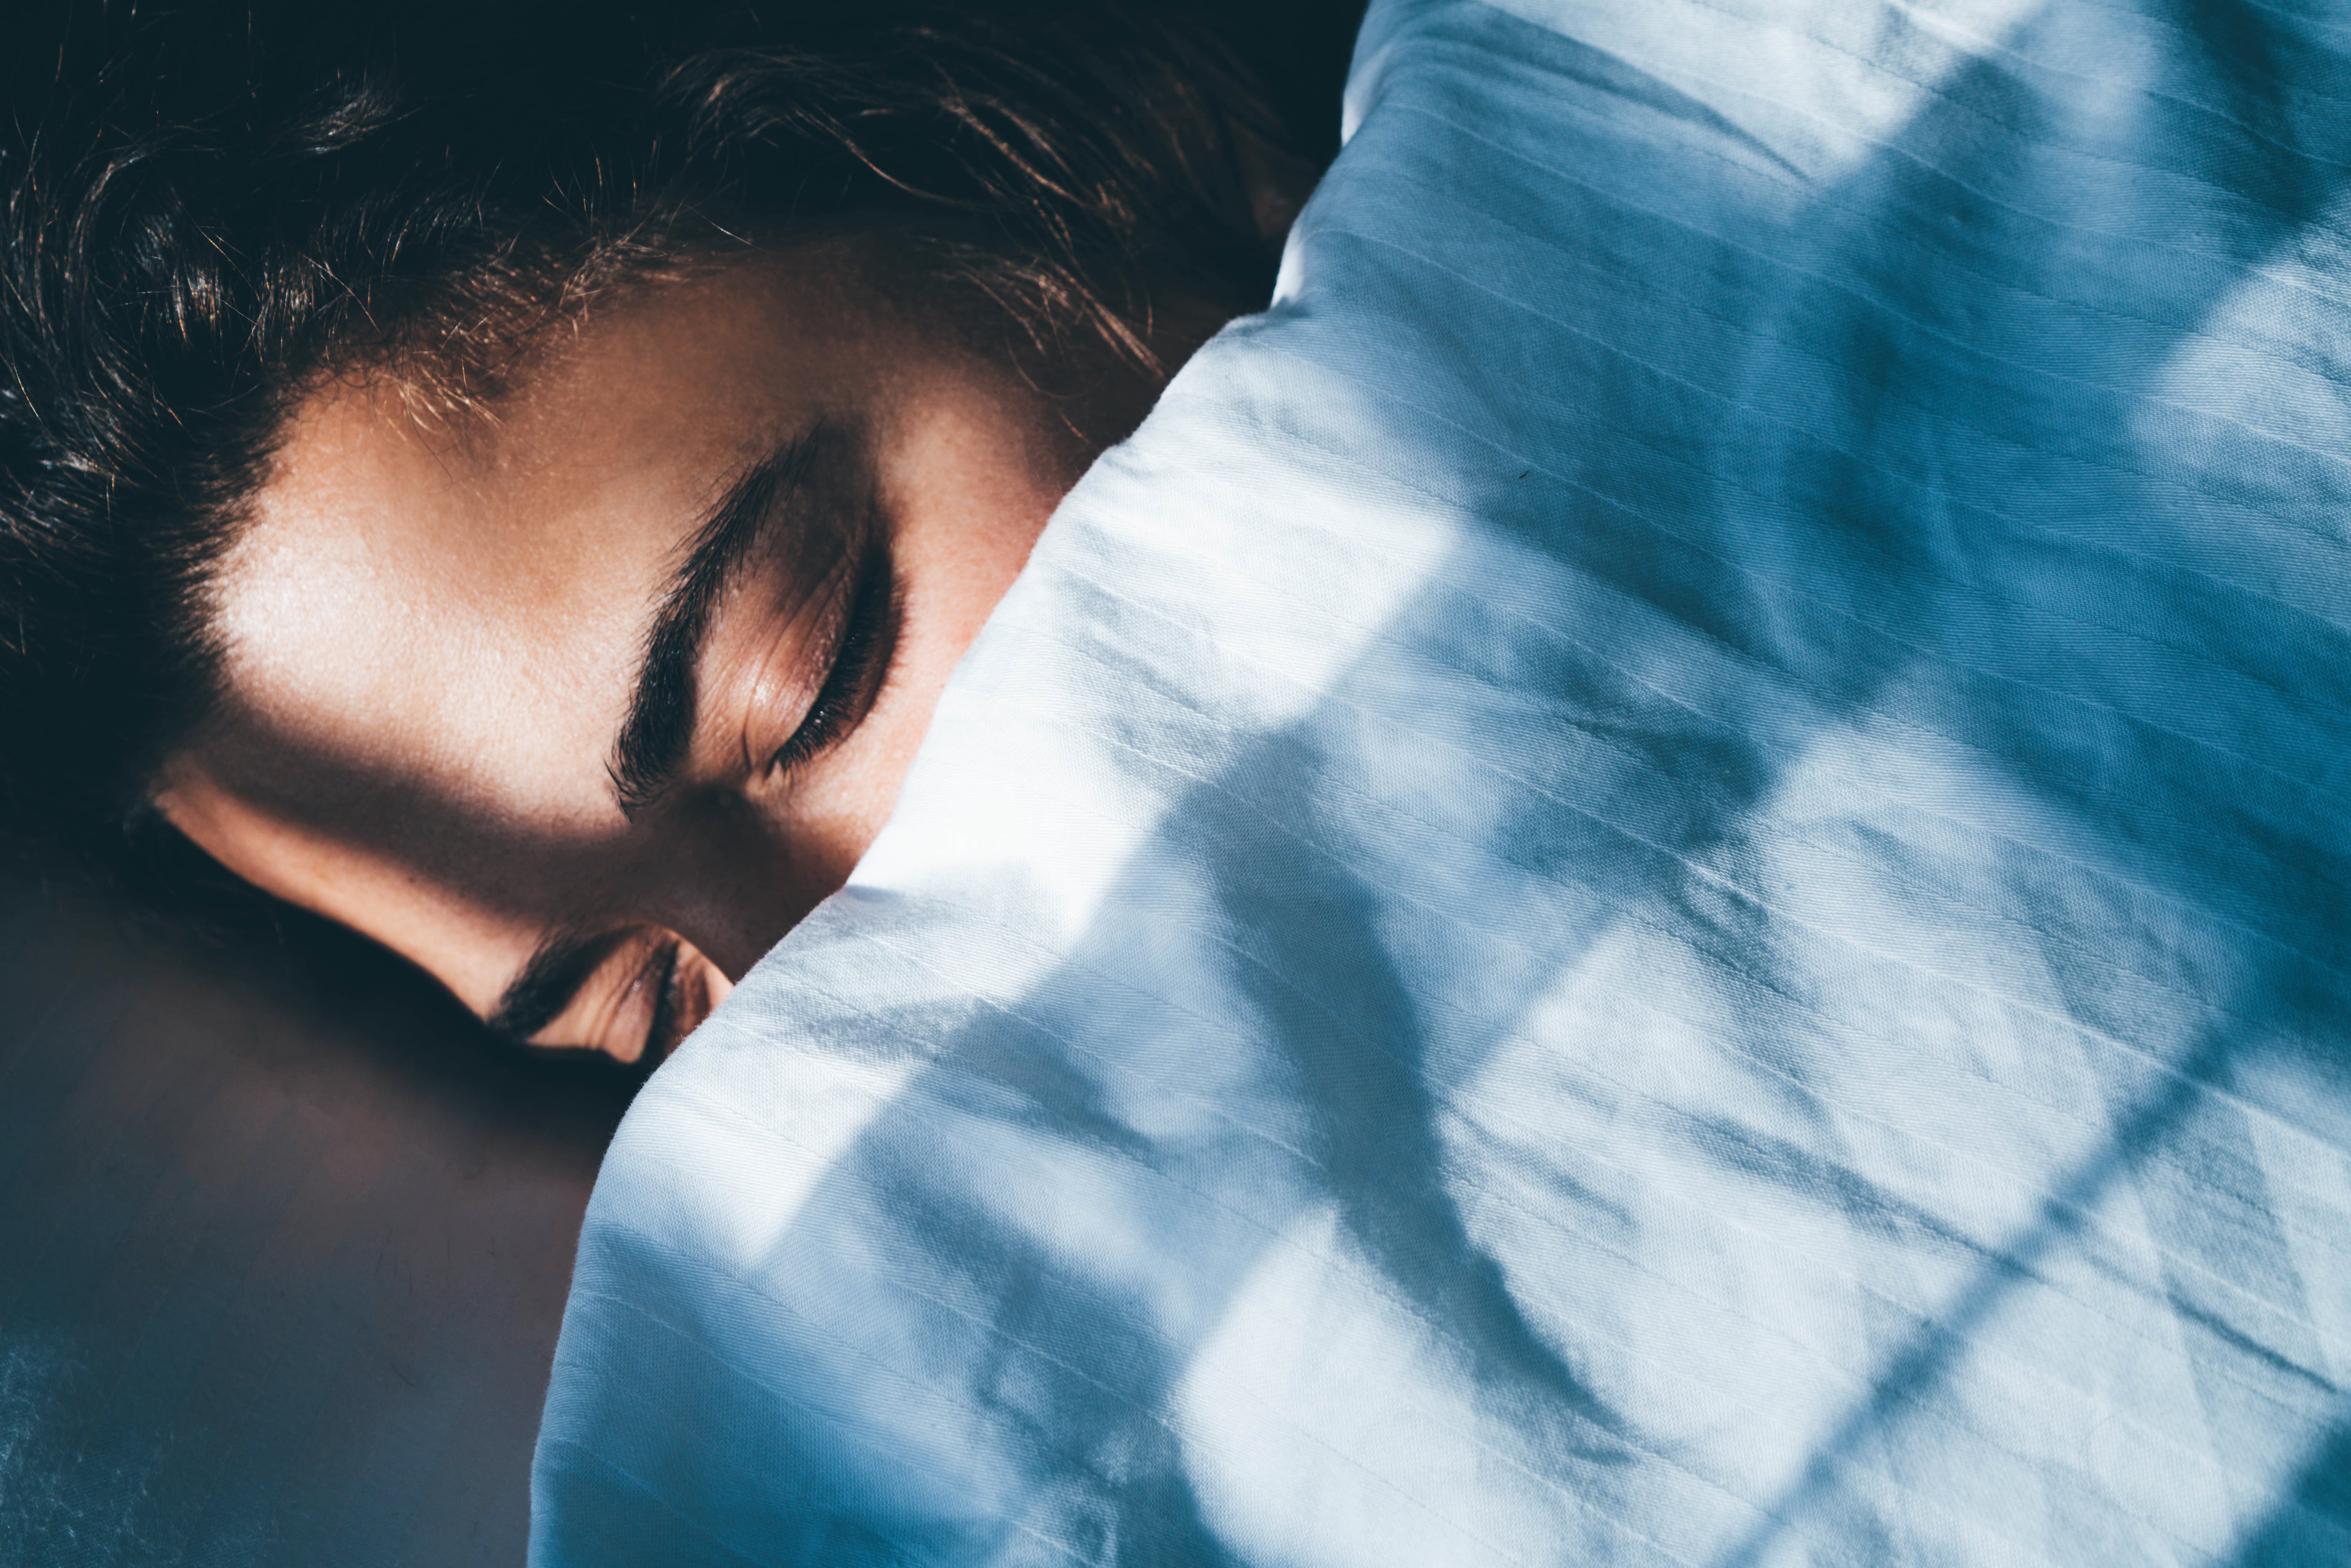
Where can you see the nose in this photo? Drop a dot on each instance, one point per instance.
(732, 945)
(733, 887)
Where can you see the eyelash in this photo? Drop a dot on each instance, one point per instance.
(829, 718)
(662, 968)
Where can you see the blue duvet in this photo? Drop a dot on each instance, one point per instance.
(1663, 877)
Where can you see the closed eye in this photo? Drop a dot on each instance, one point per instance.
(660, 978)
(633, 994)
(862, 649)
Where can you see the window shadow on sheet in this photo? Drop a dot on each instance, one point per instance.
(2312, 1523)
(1863, 707)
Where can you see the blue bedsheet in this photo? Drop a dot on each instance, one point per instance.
(1662, 877)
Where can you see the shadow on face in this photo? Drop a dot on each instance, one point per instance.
(581, 705)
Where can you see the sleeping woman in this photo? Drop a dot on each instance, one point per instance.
(520, 499)
(1657, 870)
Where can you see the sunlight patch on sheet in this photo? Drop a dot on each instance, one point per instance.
(792, 1149)
(2264, 372)
(1824, 85)
(1325, 1427)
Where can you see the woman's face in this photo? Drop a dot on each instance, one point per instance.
(582, 704)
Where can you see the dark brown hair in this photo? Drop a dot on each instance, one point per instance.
(208, 205)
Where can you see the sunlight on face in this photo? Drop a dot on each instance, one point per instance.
(581, 708)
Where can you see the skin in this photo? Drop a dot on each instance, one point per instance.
(431, 630)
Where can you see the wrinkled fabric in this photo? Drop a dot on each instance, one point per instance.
(1660, 877)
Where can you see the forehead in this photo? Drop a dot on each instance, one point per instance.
(463, 608)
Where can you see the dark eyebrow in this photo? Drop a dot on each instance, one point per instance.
(654, 737)
(556, 969)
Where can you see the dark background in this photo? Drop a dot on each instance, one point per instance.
(284, 1243)
(284, 1237)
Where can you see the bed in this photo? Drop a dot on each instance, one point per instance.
(1660, 877)
(284, 1241)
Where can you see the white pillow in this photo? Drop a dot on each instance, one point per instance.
(1661, 876)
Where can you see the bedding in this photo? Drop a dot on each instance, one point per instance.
(1660, 877)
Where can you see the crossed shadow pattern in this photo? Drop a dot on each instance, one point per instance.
(1781, 1000)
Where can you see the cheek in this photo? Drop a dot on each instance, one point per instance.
(951, 579)
(732, 875)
